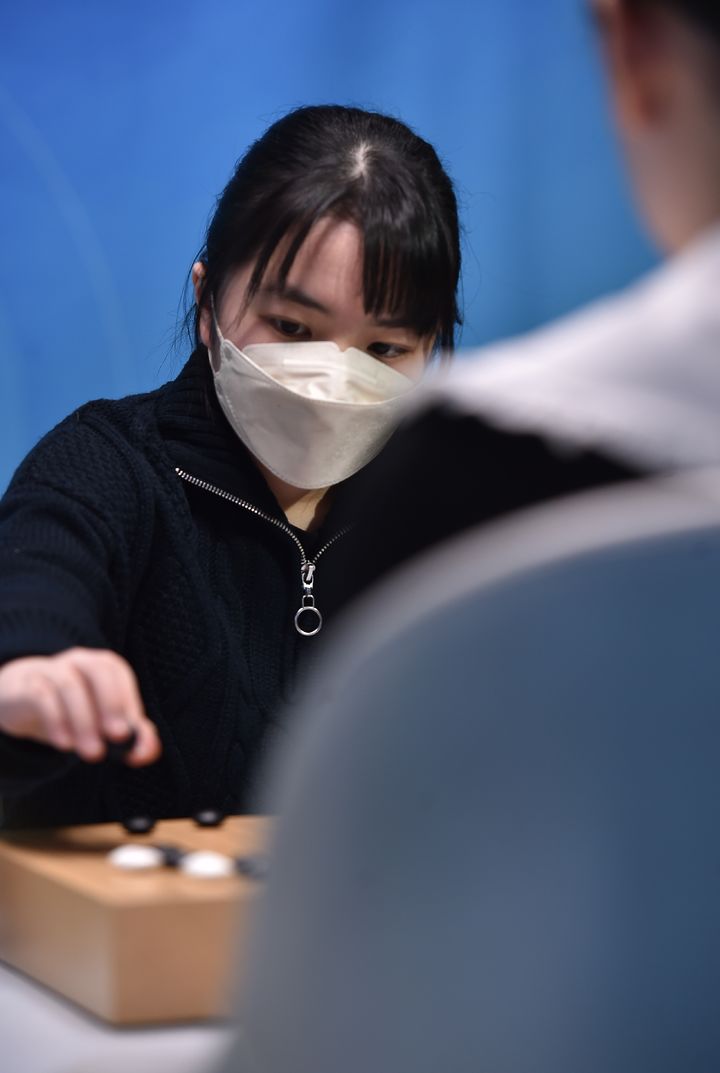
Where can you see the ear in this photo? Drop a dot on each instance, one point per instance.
(198, 276)
(638, 59)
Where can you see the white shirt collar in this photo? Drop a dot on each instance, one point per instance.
(636, 376)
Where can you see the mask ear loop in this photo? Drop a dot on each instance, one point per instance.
(216, 326)
(219, 337)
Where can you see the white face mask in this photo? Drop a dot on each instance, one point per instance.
(311, 413)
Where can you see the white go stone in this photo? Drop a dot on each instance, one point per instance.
(207, 865)
(134, 858)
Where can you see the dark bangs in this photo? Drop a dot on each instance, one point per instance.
(353, 165)
(405, 277)
(409, 269)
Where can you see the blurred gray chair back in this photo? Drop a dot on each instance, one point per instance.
(499, 849)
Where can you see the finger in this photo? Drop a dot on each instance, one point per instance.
(105, 675)
(30, 708)
(45, 719)
(80, 711)
(100, 672)
(114, 686)
(147, 748)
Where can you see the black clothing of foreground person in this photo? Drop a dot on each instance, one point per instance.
(162, 558)
(412, 499)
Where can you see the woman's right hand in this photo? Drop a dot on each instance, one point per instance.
(76, 701)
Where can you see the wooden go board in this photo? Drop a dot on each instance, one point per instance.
(131, 947)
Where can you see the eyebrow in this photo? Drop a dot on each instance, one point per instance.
(299, 297)
(395, 322)
(294, 294)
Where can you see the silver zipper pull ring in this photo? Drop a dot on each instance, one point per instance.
(307, 568)
(307, 608)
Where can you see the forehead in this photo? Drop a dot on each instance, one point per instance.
(328, 265)
(328, 268)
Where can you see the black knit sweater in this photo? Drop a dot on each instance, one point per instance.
(103, 545)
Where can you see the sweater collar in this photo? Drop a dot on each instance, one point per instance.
(199, 438)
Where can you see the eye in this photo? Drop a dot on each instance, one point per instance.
(387, 350)
(290, 329)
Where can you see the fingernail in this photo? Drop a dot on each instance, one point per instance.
(118, 727)
(91, 748)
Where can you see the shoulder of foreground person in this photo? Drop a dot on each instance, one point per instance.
(633, 377)
(446, 471)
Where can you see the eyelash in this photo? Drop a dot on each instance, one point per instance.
(398, 351)
(281, 324)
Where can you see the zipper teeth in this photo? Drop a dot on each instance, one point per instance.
(340, 533)
(207, 487)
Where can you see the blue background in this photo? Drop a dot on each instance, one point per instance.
(120, 123)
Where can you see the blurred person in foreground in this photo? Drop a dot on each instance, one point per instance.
(496, 847)
(629, 386)
(589, 839)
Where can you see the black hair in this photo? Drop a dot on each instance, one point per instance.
(356, 165)
(705, 14)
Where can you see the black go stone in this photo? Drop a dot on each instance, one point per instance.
(172, 855)
(252, 867)
(138, 825)
(116, 751)
(209, 817)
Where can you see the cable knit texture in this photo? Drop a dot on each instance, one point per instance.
(103, 545)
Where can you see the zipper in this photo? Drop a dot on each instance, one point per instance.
(307, 565)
